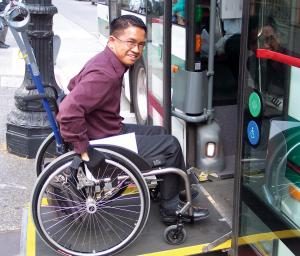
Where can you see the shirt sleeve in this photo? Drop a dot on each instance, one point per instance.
(88, 94)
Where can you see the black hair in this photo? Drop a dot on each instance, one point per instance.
(124, 22)
(271, 22)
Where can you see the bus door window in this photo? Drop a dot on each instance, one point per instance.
(156, 7)
(276, 72)
(178, 12)
(270, 126)
(268, 76)
(227, 52)
(137, 6)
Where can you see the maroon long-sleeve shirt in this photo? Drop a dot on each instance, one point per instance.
(92, 108)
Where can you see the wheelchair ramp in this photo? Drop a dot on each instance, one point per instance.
(151, 241)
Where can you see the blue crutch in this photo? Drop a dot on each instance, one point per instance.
(17, 17)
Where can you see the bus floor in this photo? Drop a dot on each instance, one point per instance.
(151, 241)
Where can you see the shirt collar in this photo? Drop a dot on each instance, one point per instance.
(119, 67)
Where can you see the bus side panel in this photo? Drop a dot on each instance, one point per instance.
(103, 23)
(126, 81)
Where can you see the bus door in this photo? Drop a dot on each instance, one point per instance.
(135, 80)
(177, 67)
(267, 207)
(155, 60)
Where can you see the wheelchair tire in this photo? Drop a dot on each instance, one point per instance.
(174, 236)
(90, 221)
(45, 154)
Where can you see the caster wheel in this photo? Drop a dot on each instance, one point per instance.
(174, 236)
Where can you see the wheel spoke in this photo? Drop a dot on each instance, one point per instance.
(70, 226)
(90, 221)
(115, 218)
(125, 210)
(67, 216)
(107, 221)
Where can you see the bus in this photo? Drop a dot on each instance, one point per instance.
(230, 97)
(144, 82)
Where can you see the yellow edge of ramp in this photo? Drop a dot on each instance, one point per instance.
(250, 239)
(30, 236)
(189, 250)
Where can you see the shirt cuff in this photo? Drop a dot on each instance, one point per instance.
(80, 146)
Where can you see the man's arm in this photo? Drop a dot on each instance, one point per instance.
(86, 96)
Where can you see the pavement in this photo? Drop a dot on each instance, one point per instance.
(17, 175)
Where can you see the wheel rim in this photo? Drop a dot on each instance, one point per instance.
(142, 94)
(49, 156)
(46, 153)
(84, 229)
(175, 237)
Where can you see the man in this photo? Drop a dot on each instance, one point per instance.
(92, 109)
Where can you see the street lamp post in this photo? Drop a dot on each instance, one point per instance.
(27, 123)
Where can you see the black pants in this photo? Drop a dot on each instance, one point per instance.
(152, 142)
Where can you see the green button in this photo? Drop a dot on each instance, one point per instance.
(254, 104)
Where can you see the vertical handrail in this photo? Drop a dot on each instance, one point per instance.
(211, 55)
(167, 30)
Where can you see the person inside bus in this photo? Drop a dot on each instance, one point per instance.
(92, 111)
(273, 78)
(178, 12)
(276, 72)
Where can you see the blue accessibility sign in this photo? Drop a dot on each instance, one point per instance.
(253, 133)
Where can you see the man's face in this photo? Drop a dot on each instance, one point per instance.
(128, 45)
(270, 39)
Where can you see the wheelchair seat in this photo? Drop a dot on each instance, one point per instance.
(142, 163)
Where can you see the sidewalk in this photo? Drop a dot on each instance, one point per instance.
(77, 47)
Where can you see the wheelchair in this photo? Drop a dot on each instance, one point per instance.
(77, 212)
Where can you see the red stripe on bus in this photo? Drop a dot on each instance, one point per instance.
(157, 20)
(154, 103)
(279, 57)
(294, 167)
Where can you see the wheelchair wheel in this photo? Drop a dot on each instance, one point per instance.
(46, 153)
(174, 235)
(102, 217)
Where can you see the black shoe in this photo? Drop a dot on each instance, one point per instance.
(3, 45)
(169, 216)
(196, 196)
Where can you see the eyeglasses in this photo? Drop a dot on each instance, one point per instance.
(132, 44)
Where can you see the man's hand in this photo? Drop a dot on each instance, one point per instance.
(94, 159)
(85, 156)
